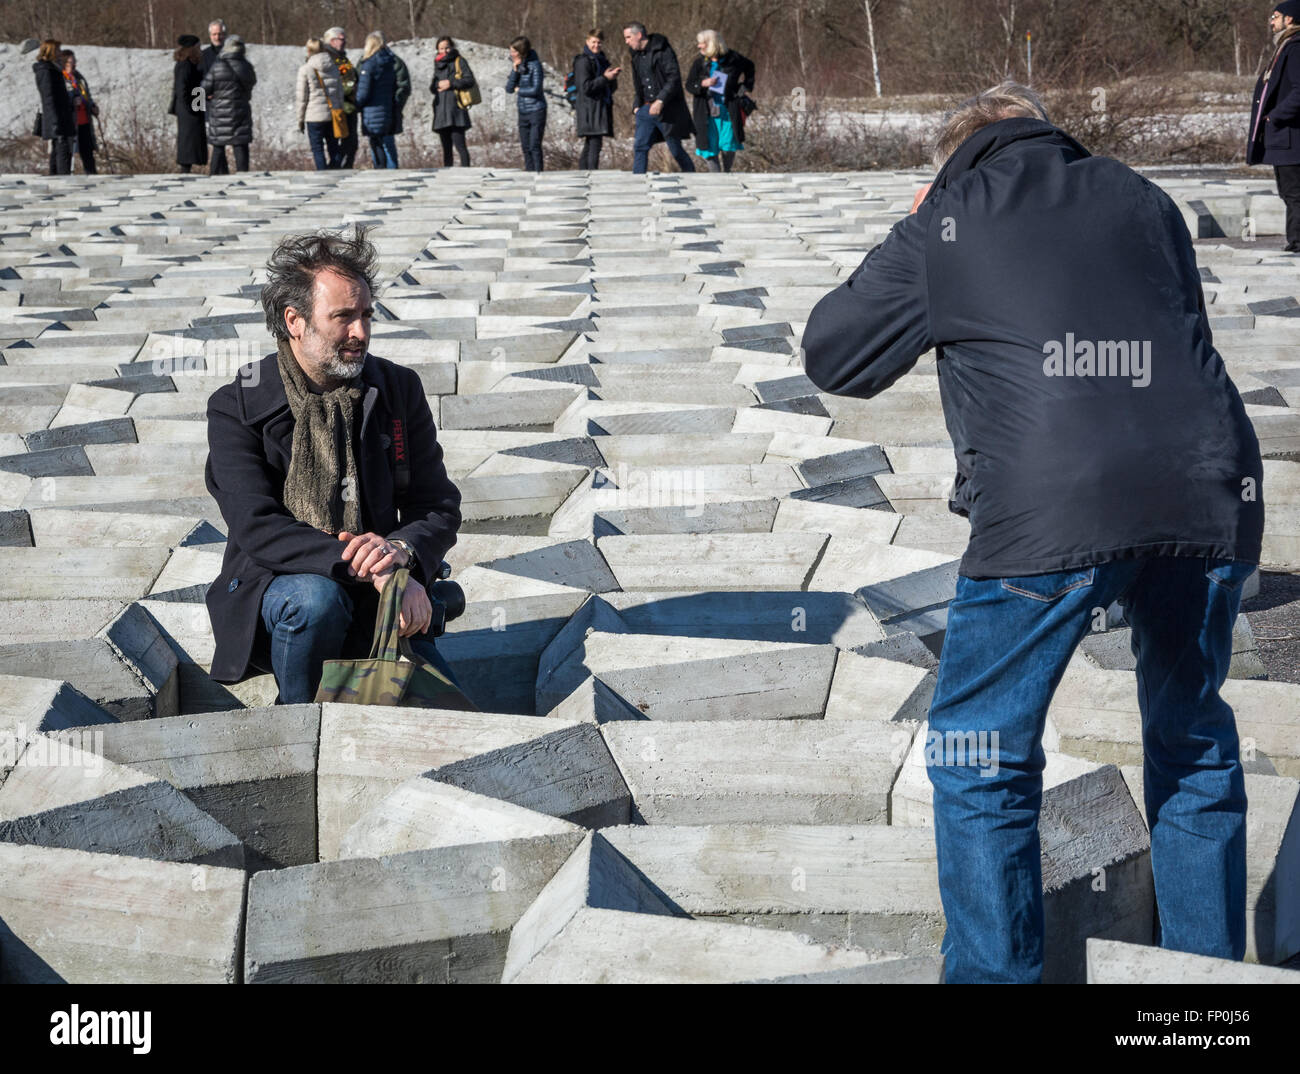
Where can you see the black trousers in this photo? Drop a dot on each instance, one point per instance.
(1288, 186)
(589, 159)
(453, 136)
(532, 125)
(86, 147)
(348, 145)
(220, 166)
(61, 154)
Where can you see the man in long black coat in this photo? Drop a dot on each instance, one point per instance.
(1103, 454)
(327, 469)
(217, 37)
(1275, 115)
(660, 103)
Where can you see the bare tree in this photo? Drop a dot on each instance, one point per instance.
(871, 45)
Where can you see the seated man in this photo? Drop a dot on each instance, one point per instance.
(326, 465)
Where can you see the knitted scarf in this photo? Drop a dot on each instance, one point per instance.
(321, 487)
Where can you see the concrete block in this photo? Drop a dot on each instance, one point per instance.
(59, 795)
(1096, 861)
(718, 561)
(1116, 962)
(366, 751)
(872, 688)
(117, 920)
(764, 772)
(867, 886)
(253, 770)
(422, 813)
(442, 915)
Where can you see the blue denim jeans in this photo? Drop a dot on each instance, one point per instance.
(383, 150)
(320, 136)
(1007, 645)
(309, 620)
(649, 130)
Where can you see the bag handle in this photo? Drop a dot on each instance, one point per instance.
(329, 103)
(386, 644)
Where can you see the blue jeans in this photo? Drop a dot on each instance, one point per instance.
(309, 620)
(320, 136)
(1006, 648)
(649, 130)
(532, 125)
(383, 150)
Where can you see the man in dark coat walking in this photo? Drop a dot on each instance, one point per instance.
(326, 466)
(1103, 454)
(1275, 115)
(659, 105)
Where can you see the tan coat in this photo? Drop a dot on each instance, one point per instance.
(313, 103)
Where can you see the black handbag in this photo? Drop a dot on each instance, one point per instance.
(37, 125)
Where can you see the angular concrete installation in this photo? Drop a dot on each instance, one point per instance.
(1116, 962)
(705, 602)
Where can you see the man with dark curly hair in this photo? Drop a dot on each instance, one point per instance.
(326, 465)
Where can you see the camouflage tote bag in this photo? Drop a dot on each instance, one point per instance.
(394, 673)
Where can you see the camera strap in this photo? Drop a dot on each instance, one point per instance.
(401, 461)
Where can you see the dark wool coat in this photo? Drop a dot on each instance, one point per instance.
(658, 78)
(402, 93)
(1027, 262)
(740, 80)
(447, 112)
(250, 438)
(228, 86)
(210, 54)
(58, 119)
(377, 93)
(1276, 138)
(594, 108)
(191, 126)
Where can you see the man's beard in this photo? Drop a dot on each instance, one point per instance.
(344, 369)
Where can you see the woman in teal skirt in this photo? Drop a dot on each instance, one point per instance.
(720, 81)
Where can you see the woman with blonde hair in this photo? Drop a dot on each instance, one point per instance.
(319, 90)
(57, 121)
(720, 80)
(377, 99)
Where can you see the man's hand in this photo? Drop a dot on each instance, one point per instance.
(656, 107)
(920, 197)
(612, 72)
(445, 84)
(417, 610)
(371, 556)
(707, 81)
(302, 126)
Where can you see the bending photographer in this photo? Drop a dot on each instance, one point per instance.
(325, 463)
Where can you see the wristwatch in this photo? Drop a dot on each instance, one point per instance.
(410, 552)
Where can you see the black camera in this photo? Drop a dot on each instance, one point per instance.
(447, 598)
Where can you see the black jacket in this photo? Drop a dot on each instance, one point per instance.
(447, 112)
(58, 120)
(1028, 250)
(191, 133)
(228, 88)
(1274, 136)
(658, 78)
(210, 54)
(250, 437)
(740, 80)
(594, 108)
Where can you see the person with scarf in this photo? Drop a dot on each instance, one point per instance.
(597, 82)
(187, 104)
(451, 77)
(335, 41)
(84, 108)
(1275, 115)
(719, 79)
(326, 466)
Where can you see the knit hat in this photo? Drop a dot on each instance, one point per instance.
(1288, 7)
(187, 41)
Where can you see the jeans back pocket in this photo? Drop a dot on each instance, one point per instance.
(1048, 587)
(1229, 573)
